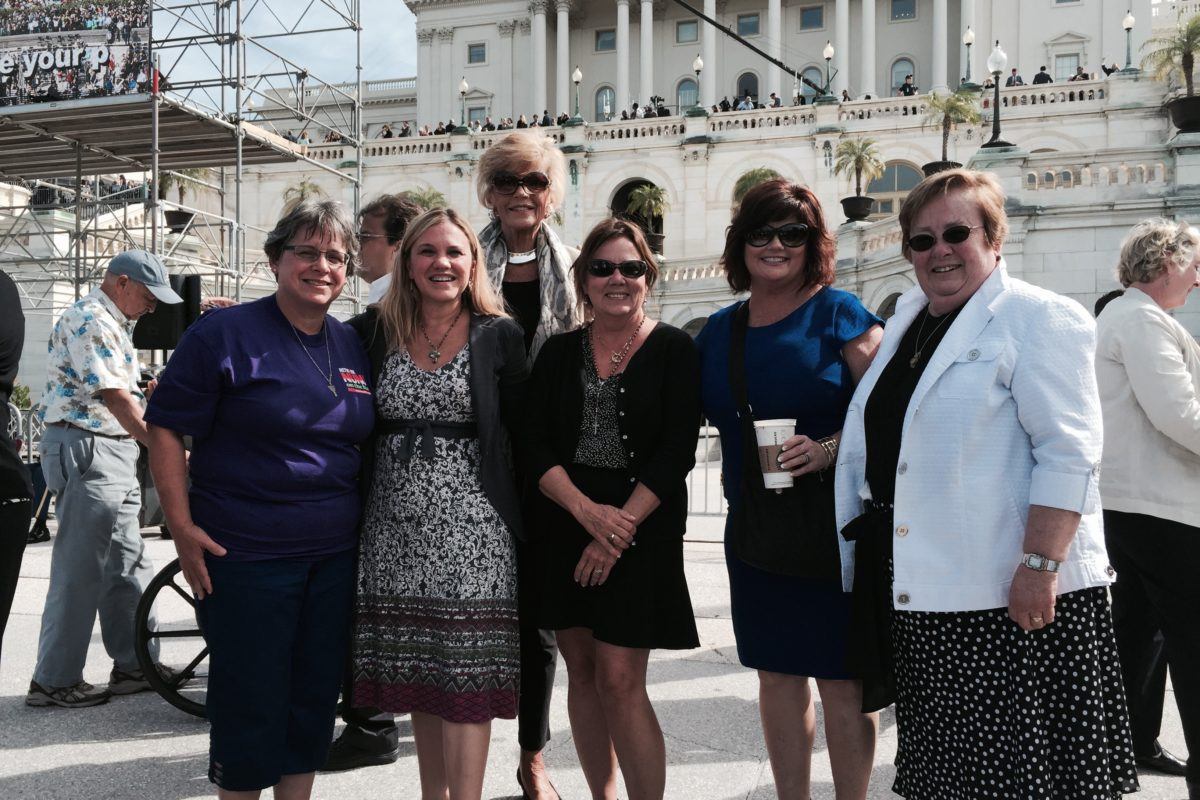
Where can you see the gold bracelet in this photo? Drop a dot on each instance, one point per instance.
(830, 445)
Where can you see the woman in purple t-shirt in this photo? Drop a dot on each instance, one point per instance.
(275, 395)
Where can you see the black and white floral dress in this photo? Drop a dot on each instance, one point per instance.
(436, 628)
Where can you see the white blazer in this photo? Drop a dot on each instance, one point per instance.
(1006, 415)
(1148, 367)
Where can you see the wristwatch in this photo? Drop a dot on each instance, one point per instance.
(1039, 563)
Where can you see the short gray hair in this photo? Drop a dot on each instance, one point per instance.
(1153, 246)
(328, 217)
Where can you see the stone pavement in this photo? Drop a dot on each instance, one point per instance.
(140, 747)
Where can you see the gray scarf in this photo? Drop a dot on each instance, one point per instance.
(560, 307)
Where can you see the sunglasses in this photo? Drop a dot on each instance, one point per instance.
(793, 234)
(955, 234)
(630, 269)
(534, 182)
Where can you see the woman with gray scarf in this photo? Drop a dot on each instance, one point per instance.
(522, 180)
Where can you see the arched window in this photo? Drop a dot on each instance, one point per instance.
(890, 188)
(687, 95)
(815, 75)
(900, 68)
(606, 103)
(747, 84)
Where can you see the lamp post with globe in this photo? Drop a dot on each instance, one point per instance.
(996, 63)
(968, 39)
(827, 96)
(577, 119)
(697, 110)
(1127, 24)
(462, 96)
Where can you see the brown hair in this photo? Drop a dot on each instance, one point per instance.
(772, 200)
(327, 217)
(400, 307)
(988, 196)
(395, 210)
(606, 230)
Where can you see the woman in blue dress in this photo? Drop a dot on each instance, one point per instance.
(801, 347)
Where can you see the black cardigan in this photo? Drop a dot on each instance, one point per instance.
(658, 413)
(499, 374)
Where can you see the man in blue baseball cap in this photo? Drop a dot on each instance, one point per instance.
(92, 407)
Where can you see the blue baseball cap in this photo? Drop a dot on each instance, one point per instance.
(148, 270)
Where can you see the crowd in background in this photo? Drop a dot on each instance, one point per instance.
(31, 17)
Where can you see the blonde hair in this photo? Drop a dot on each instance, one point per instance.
(400, 308)
(511, 152)
(1154, 246)
(988, 196)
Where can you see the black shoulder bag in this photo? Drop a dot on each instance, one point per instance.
(785, 531)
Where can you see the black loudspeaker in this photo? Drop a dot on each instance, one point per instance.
(161, 329)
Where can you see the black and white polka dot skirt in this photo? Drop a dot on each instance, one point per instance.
(985, 710)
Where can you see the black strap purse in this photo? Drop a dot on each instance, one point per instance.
(785, 531)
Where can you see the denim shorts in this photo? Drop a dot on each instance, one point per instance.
(277, 633)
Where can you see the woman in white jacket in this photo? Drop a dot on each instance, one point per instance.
(1148, 369)
(968, 482)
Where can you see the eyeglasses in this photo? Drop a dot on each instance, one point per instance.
(309, 254)
(955, 234)
(793, 234)
(362, 236)
(534, 182)
(600, 268)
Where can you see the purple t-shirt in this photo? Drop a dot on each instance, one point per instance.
(275, 457)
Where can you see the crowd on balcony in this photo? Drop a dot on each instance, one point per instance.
(123, 72)
(31, 17)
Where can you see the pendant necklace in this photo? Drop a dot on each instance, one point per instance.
(435, 350)
(328, 356)
(619, 356)
(917, 346)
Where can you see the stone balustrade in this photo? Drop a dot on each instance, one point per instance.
(737, 121)
(624, 130)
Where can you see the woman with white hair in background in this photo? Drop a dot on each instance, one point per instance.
(522, 180)
(1148, 370)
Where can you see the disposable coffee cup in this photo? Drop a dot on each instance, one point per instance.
(771, 434)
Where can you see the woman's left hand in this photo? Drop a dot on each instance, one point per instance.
(802, 455)
(1031, 598)
(594, 565)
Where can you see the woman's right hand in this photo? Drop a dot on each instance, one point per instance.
(191, 543)
(613, 528)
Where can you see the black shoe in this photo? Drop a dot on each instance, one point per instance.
(38, 534)
(1193, 790)
(122, 682)
(1162, 761)
(343, 755)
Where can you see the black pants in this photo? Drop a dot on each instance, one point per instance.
(1157, 561)
(14, 526)
(375, 731)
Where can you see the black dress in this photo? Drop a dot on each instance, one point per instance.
(637, 427)
(983, 709)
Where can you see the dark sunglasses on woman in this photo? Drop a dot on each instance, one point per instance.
(630, 269)
(793, 234)
(955, 234)
(534, 182)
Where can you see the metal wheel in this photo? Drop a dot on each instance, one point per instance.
(179, 639)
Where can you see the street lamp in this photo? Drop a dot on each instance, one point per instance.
(996, 63)
(463, 87)
(697, 110)
(1127, 24)
(577, 78)
(968, 40)
(827, 97)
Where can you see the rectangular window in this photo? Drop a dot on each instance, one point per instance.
(477, 53)
(812, 18)
(904, 9)
(476, 114)
(606, 41)
(747, 24)
(1064, 66)
(686, 31)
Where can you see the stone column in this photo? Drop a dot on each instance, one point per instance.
(504, 102)
(866, 82)
(427, 81)
(537, 9)
(841, 46)
(562, 57)
(446, 86)
(623, 100)
(966, 17)
(523, 88)
(708, 78)
(774, 46)
(646, 29)
(941, 43)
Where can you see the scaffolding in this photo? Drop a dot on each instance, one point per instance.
(225, 89)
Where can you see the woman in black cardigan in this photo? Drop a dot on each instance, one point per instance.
(612, 422)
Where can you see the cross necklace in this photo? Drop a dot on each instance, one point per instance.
(328, 376)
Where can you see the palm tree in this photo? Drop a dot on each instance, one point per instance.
(300, 191)
(427, 199)
(751, 179)
(648, 203)
(1174, 50)
(948, 110)
(860, 157)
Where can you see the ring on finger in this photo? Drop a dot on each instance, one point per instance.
(611, 538)
(1037, 619)
(807, 458)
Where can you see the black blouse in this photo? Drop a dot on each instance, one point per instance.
(524, 301)
(658, 413)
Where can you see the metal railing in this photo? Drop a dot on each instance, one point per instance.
(706, 494)
(25, 425)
